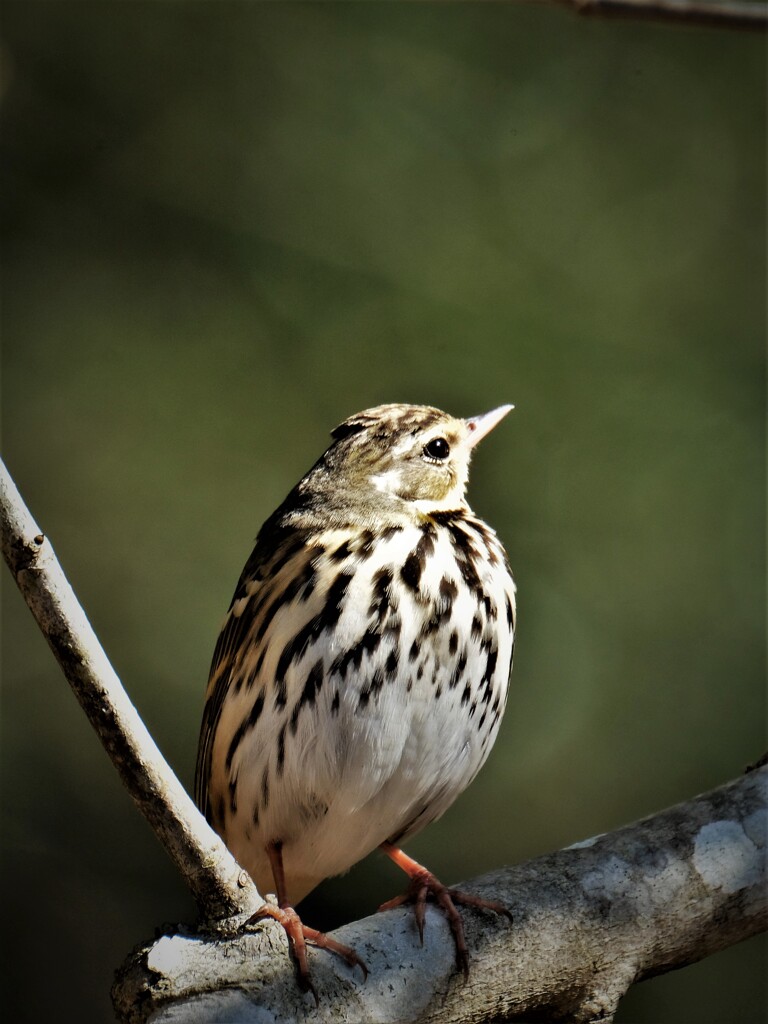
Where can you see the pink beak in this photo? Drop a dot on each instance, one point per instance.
(479, 426)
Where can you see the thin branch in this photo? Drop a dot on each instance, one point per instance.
(690, 12)
(221, 888)
(589, 921)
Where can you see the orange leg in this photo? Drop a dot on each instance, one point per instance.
(424, 883)
(298, 933)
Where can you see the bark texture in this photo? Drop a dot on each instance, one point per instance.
(589, 921)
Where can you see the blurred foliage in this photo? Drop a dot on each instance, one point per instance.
(228, 226)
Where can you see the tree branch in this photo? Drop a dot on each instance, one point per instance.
(589, 921)
(222, 890)
(690, 12)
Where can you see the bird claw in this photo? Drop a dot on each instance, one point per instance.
(323, 941)
(299, 934)
(423, 884)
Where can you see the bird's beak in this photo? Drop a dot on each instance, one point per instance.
(479, 426)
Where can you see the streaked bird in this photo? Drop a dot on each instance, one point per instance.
(361, 673)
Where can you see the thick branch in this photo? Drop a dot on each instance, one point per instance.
(221, 888)
(589, 921)
(690, 12)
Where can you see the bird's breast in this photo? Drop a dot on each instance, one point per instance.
(367, 687)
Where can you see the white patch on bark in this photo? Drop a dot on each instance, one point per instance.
(725, 856)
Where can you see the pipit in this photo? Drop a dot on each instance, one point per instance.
(361, 673)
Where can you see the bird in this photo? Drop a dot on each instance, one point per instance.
(361, 672)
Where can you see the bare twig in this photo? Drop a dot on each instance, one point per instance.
(690, 12)
(589, 921)
(221, 888)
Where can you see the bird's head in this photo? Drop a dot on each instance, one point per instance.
(406, 453)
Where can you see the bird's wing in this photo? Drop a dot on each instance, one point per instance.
(268, 556)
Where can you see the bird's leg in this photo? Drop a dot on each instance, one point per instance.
(298, 933)
(424, 883)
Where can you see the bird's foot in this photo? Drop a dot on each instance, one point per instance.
(299, 934)
(424, 884)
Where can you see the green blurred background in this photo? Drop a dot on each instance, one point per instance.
(230, 225)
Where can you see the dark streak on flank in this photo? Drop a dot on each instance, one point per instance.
(233, 635)
(245, 726)
(256, 670)
(490, 665)
(324, 621)
(262, 565)
(458, 671)
(265, 788)
(373, 687)
(381, 596)
(300, 586)
(490, 609)
(285, 545)
(281, 697)
(312, 687)
(294, 723)
(367, 644)
(280, 751)
(377, 681)
(487, 694)
(313, 684)
(266, 618)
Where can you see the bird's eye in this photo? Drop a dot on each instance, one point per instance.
(437, 449)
